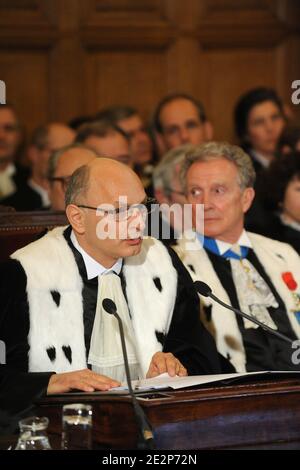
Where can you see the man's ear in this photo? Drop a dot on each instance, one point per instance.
(247, 198)
(208, 130)
(76, 218)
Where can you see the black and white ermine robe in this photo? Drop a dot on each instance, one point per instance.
(46, 307)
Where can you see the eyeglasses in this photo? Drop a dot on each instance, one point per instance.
(9, 128)
(64, 180)
(125, 212)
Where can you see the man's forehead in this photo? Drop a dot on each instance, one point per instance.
(180, 104)
(7, 115)
(110, 180)
(214, 168)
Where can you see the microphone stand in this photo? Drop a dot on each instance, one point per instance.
(203, 289)
(146, 439)
(252, 319)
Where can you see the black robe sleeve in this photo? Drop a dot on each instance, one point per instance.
(18, 392)
(18, 388)
(14, 314)
(187, 338)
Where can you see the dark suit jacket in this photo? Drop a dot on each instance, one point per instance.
(24, 199)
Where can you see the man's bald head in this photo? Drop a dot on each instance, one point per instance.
(95, 195)
(59, 135)
(62, 165)
(104, 180)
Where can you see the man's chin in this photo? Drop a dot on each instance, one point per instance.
(132, 246)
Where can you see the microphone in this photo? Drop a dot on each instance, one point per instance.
(205, 290)
(146, 434)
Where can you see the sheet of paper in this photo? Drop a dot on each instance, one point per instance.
(165, 381)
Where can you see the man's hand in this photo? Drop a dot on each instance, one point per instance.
(165, 362)
(85, 380)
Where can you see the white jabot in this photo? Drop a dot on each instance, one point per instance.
(105, 353)
(93, 268)
(41, 192)
(7, 185)
(254, 295)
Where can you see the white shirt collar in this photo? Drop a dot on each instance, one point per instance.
(293, 224)
(93, 268)
(41, 192)
(265, 162)
(10, 170)
(242, 241)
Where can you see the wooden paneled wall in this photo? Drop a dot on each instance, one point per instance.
(62, 58)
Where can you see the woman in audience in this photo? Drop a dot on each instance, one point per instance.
(259, 122)
(282, 198)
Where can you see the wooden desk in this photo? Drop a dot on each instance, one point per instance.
(261, 415)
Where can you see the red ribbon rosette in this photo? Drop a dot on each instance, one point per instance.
(289, 280)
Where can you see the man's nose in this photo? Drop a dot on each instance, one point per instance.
(184, 135)
(2, 133)
(270, 126)
(206, 200)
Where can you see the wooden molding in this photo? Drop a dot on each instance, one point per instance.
(252, 28)
(124, 35)
(27, 37)
(26, 27)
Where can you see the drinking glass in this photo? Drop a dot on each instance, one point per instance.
(77, 427)
(33, 434)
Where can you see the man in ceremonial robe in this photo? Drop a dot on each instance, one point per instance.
(253, 273)
(51, 314)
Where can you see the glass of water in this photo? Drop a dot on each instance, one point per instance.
(77, 427)
(33, 434)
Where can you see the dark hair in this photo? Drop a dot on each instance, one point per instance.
(279, 174)
(290, 137)
(78, 185)
(172, 97)
(78, 121)
(116, 113)
(246, 102)
(99, 129)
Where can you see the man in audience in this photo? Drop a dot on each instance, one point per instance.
(33, 195)
(11, 174)
(168, 192)
(130, 121)
(180, 119)
(258, 275)
(107, 140)
(62, 165)
(51, 314)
